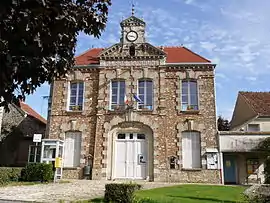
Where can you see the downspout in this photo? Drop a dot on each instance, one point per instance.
(220, 155)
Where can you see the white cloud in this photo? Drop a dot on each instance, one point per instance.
(189, 1)
(209, 46)
(112, 39)
(251, 78)
(221, 75)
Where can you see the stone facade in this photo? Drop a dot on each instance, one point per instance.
(164, 124)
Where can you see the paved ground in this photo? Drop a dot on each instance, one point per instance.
(75, 190)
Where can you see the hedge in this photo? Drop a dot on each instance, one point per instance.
(120, 192)
(259, 193)
(37, 172)
(8, 174)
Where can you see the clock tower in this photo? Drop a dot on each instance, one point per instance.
(132, 43)
(133, 30)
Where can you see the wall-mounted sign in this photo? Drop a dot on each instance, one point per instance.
(58, 162)
(37, 137)
(212, 161)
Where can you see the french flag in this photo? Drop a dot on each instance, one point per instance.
(137, 99)
(126, 99)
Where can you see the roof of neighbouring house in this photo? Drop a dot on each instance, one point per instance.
(31, 112)
(259, 102)
(174, 55)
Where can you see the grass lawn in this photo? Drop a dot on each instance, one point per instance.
(195, 194)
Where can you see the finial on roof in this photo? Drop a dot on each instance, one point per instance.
(132, 9)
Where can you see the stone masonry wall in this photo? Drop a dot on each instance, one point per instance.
(61, 120)
(167, 121)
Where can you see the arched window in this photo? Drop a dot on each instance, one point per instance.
(189, 95)
(76, 90)
(145, 93)
(191, 149)
(118, 91)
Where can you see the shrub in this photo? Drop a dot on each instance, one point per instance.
(37, 172)
(258, 194)
(267, 170)
(9, 174)
(3, 177)
(121, 192)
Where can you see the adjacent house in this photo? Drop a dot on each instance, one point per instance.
(250, 125)
(137, 111)
(17, 130)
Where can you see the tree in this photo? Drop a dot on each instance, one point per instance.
(38, 39)
(223, 124)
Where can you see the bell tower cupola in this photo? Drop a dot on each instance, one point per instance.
(133, 30)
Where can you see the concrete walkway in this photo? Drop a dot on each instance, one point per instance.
(75, 190)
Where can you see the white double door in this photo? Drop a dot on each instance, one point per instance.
(131, 157)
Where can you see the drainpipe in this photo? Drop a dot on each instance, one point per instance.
(221, 167)
(220, 154)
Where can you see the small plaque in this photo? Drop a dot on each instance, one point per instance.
(37, 137)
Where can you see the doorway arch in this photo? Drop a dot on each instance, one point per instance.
(131, 151)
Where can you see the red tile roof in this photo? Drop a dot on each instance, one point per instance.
(174, 55)
(258, 101)
(183, 55)
(88, 57)
(27, 109)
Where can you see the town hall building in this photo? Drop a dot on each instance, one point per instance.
(137, 111)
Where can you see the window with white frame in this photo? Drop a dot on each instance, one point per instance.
(189, 95)
(191, 150)
(145, 93)
(76, 91)
(118, 91)
(253, 127)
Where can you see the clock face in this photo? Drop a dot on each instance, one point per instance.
(132, 36)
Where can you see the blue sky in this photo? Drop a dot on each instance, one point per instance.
(234, 34)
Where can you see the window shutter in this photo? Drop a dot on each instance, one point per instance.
(187, 153)
(191, 149)
(72, 150)
(196, 157)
